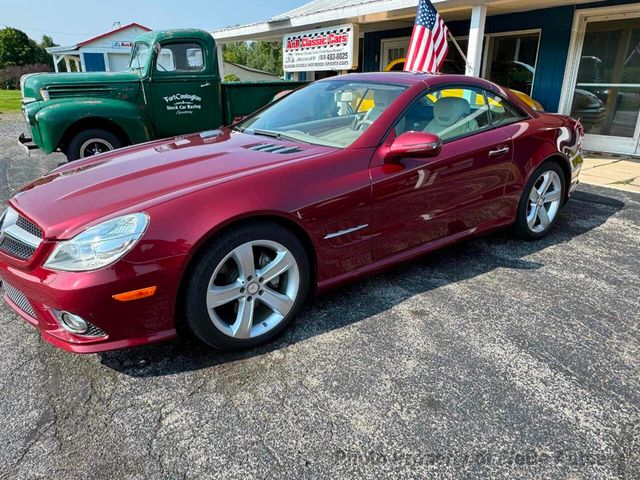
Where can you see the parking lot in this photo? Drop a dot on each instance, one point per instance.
(494, 358)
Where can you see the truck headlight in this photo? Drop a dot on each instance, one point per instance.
(44, 93)
(99, 246)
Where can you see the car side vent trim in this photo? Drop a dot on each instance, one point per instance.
(273, 148)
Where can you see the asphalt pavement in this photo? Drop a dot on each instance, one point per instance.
(496, 358)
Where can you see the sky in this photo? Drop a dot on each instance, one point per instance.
(71, 21)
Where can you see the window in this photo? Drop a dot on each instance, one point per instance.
(330, 112)
(140, 57)
(180, 57)
(448, 112)
(502, 113)
(511, 60)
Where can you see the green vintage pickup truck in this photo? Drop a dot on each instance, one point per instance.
(172, 87)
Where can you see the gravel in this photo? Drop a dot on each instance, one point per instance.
(495, 358)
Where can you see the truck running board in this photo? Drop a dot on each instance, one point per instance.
(27, 143)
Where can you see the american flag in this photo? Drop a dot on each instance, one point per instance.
(428, 47)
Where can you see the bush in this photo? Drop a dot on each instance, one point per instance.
(10, 75)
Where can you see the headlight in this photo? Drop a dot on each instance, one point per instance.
(99, 246)
(44, 94)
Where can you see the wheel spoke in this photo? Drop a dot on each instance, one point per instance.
(534, 195)
(244, 320)
(544, 218)
(277, 302)
(546, 182)
(531, 218)
(553, 196)
(243, 256)
(283, 262)
(217, 296)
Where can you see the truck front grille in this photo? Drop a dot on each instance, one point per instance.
(19, 299)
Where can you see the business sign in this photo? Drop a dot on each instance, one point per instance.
(122, 44)
(331, 48)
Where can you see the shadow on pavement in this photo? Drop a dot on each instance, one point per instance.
(586, 211)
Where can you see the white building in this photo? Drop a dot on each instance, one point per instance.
(107, 52)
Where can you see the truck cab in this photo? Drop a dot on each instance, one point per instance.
(172, 87)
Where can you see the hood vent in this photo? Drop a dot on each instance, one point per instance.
(273, 148)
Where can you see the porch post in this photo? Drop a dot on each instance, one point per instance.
(56, 59)
(67, 63)
(476, 38)
(220, 56)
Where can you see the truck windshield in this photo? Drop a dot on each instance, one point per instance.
(332, 112)
(139, 58)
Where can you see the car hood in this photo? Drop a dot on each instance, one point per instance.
(82, 193)
(85, 82)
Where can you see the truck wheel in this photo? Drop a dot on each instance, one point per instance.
(92, 142)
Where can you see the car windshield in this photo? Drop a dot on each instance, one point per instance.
(139, 57)
(332, 113)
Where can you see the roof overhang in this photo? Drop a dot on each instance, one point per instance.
(373, 16)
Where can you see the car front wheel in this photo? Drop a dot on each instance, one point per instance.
(246, 287)
(541, 201)
(92, 142)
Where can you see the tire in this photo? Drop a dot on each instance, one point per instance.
(222, 291)
(91, 142)
(536, 216)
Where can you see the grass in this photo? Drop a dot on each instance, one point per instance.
(9, 101)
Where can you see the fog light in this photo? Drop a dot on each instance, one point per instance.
(72, 323)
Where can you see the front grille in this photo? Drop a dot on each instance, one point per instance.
(19, 237)
(29, 226)
(18, 298)
(16, 248)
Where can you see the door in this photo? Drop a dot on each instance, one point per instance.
(607, 82)
(417, 200)
(94, 62)
(183, 89)
(393, 49)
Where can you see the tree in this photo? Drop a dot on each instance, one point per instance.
(16, 48)
(265, 56)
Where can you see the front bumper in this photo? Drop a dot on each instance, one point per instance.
(27, 143)
(89, 295)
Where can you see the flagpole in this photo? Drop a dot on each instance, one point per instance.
(464, 57)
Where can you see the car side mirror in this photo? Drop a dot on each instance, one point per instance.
(416, 145)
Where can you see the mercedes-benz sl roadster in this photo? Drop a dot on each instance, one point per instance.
(227, 232)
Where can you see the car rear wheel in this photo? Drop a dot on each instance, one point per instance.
(92, 142)
(541, 202)
(246, 287)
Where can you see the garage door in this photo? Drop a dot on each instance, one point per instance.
(118, 61)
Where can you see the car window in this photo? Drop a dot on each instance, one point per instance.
(448, 112)
(180, 57)
(329, 112)
(502, 113)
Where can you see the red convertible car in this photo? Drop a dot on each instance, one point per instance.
(227, 232)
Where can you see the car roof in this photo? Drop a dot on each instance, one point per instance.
(413, 78)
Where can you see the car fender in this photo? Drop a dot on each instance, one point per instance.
(56, 118)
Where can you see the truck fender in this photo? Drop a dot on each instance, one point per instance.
(57, 119)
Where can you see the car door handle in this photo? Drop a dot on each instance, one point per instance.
(499, 151)
(205, 85)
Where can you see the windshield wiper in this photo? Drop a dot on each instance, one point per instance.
(276, 135)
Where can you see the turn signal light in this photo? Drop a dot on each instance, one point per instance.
(135, 294)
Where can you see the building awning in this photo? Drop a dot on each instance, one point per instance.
(370, 15)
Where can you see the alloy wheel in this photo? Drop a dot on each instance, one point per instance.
(544, 201)
(253, 289)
